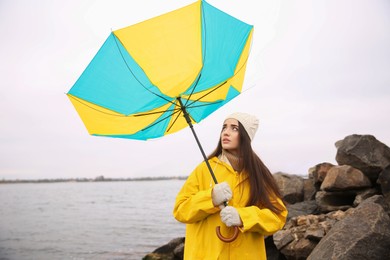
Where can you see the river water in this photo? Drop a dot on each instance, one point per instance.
(87, 220)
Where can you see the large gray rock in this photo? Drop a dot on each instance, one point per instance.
(363, 152)
(174, 250)
(271, 251)
(309, 190)
(336, 200)
(291, 187)
(344, 177)
(319, 172)
(306, 207)
(384, 181)
(363, 195)
(363, 234)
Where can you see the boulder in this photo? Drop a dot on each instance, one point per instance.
(291, 187)
(363, 195)
(384, 181)
(173, 250)
(363, 152)
(306, 207)
(272, 252)
(319, 172)
(309, 190)
(363, 234)
(337, 200)
(344, 177)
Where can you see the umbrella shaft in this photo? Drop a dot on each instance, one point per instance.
(187, 117)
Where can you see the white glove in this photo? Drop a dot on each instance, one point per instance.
(221, 193)
(230, 217)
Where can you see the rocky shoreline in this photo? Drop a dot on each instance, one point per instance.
(338, 212)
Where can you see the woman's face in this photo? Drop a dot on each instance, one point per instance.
(230, 136)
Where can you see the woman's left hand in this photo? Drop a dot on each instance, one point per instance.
(230, 216)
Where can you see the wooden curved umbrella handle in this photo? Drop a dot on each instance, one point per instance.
(227, 239)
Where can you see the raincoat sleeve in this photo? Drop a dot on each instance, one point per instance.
(263, 220)
(193, 202)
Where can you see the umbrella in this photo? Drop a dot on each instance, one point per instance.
(161, 75)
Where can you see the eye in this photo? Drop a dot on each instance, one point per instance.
(235, 128)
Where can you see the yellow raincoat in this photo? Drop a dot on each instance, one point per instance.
(194, 207)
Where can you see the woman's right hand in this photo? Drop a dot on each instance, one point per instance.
(221, 193)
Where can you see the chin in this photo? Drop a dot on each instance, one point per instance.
(228, 148)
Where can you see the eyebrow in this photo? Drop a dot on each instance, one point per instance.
(231, 125)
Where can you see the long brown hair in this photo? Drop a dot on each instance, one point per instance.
(262, 183)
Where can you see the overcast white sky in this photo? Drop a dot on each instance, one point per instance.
(318, 71)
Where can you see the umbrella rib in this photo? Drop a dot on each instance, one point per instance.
(193, 89)
(190, 104)
(175, 111)
(214, 89)
(203, 105)
(203, 58)
(162, 119)
(178, 112)
(246, 61)
(200, 74)
(128, 67)
(208, 93)
(156, 112)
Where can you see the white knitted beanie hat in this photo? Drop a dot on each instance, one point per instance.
(250, 122)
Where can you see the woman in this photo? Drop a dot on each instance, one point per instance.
(245, 183)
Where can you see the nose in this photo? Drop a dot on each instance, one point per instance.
(225, 131)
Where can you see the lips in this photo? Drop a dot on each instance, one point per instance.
(225, 140)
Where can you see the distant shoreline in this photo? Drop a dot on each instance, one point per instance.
(97, 179)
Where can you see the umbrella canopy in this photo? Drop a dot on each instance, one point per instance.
(146, 76)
